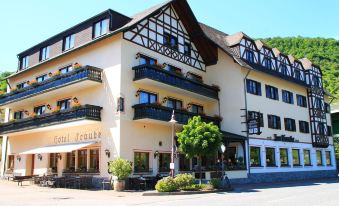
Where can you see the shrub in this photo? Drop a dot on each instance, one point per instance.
(120, 168)
(216, 183)
(197, 187)
(184, 180)
(166, 184)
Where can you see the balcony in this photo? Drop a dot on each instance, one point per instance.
(77, 79)
(178, 83)
(161, 113)
(84, 114)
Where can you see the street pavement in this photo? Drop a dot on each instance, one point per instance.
(310, 193)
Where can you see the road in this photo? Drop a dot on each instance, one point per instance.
(311, 193)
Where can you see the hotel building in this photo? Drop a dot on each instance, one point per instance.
(106, 88)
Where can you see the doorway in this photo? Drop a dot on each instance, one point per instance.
(30, 165)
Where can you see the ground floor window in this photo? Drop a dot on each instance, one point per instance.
(270, 157)
(10, 163)
(255, 157)
(284, 157)
(319, 158)
(296, 157)
(184, 163)
(307, 157)
(82, 160)
(164, 162)
(70, 161)
(328, 158)
(141, 162)
(53, 162)
(207, 163)
(94, 160)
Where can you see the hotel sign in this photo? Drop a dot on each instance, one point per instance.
(77, 137)
(253, 123)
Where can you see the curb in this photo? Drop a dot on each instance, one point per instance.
(184, 192)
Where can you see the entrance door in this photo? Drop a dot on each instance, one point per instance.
(33, 161)
(29, 165)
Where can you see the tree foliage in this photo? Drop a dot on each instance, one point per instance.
(3, 84)
(120, 168)
(321, 51)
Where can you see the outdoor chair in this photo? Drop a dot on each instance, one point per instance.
(107, 182)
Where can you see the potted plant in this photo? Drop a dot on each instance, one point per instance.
(76, 105)
(76, 65)
(33, 115)
(121, 169)
(56, 109)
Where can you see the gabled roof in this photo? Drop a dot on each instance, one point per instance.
(260, 44)
(236, 38)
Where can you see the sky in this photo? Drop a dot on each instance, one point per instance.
(26, 23)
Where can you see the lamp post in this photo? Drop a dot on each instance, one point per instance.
(172, 121)
(223, 148)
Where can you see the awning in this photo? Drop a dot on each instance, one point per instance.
(228, 136)
(59, 148)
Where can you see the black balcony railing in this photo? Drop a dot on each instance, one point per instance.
(177, 80)
(156, 112)
(86, 112)
(55, 82)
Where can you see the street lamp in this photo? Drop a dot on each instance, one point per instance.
(223, 148)
(172, 121)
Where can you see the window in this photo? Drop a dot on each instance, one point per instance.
(147, 98)
(197, 109)
(274, 122)
(290, 124)
(121, 104)
(284, 157)
(255, 156)
(194, 77)
(249, 55)
(66, 69)
(319, 158)
(296, 157)
(272, 92)
(141, 162)
(164, 162)
(307, 157)
(304, 127)
(327, 108)
(253, 87)
(170, 41)
(316, 81)
(328, 158)
(329, 130)
(301, 101)
(318, 103)
(284, 70)
(64, 104)
(184, 163)
(53, 162)
(18, 115)
(100, 28)
(251, 115)
(321, 128)
(82, 160)
(40, 110)
(146, 60)
(94, 159)
(174, 103)
(173, 69)
(24, 62)
(287, 97)
(268, 63)
(68, 42)
(10, 164)
(70, 161)
(21, 85)
(270, 157)
(44, 53)
(187, 49)
(297, 74)
(41, 78)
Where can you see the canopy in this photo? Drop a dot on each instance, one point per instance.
(58, 148)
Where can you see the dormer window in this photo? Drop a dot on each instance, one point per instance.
(284, 70)
(249, 56)
(44, 53)
(68, 42)
(24, 62)
(100, 28)
(268, 63)
(316, 81)
(187, 49)
(297, 74)
(147, 60)
(170, 41)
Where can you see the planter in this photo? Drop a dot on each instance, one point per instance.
(119, 185)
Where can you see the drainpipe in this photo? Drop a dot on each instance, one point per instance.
(247, 135)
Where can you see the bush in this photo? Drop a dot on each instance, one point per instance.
(216, 183)
(184, 180)
(197, 187)
(166, 184)
(120, 168)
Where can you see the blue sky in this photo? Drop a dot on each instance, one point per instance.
(26, 23)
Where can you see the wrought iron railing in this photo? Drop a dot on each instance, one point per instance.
(173, 79)
(86, 112)
(52, 83)
(156, 112)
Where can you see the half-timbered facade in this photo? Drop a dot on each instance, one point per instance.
(107, 87)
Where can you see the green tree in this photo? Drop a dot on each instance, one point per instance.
(336, 146)
(199, 139)
(3, 84)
